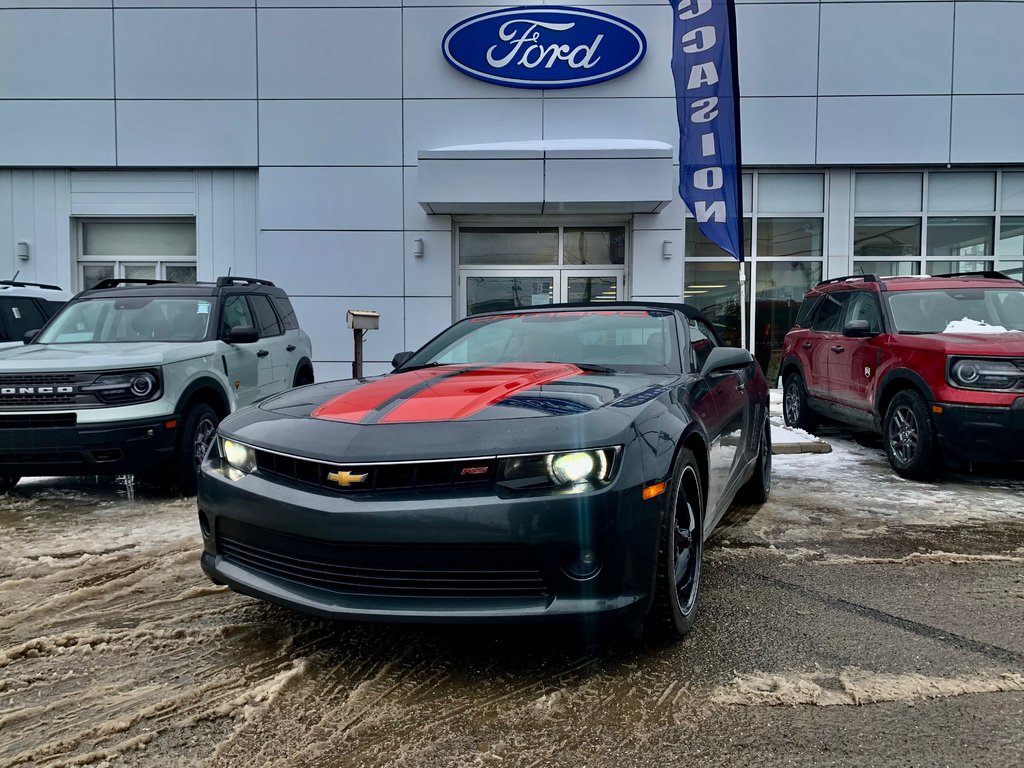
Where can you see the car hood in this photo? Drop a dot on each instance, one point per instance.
(452, 411)
(41, 358)
(1006, 344)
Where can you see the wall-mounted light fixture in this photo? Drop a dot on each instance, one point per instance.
(21, 250)
(417, 247)
(666, 249)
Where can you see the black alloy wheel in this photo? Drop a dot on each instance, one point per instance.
(677, 586)
(7, 482)
(757, 489)
(197, 433)
(909, 433)
(794, 404)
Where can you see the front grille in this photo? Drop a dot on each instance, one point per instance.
(407, 570)
(38, 420)
(378, 477)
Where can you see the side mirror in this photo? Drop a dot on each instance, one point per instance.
(243, 334)
(30, 336)
(858, 329)
(726, 359)
(400, 359)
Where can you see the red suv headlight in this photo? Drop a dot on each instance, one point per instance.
(1003, 374)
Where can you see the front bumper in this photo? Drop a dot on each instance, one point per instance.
(53, 444)
(469, 556)
(981, 434)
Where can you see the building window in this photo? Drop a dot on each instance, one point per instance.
(136, 249)
(787, 230)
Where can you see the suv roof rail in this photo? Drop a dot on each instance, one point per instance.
(986, 273)
(226, 280)
(116, 282)
(868, 278)
(22, 284)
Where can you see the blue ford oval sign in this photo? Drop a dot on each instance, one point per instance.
(544, 47)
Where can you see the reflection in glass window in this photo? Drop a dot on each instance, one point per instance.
(780, 289)
(961, 237)
(888, 192)
(888, 236)
(605, 245)
(886, 268)
(791, 192)
(957, 267)
(790, 238)
(522, 246)
(499, 293)
(961, 191)
(591, 289)
(698, 246)
(1011, 236)
(714, 289)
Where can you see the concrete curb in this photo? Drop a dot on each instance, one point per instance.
(816, 446)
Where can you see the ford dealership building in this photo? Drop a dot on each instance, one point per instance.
(342, 151)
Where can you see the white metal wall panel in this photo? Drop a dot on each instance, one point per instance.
(778, 49)
(585, 118)
(183, 3)
(38, 215)
(331, 198)
(57, 133)
(413, 215)
(431, 273)
(424, 318)
(323, 318)
(339, 53)
(188, 53)
(186, 133)
(23, 4)
(988, 38)
(352, 263)
(133, 193)
(778, 131)
(653, 274)
(331, 132)
(432, 123)
(52, 54)
(226, 227)
(885, 48)
(987, 129)
(883, 130)
(7, 259)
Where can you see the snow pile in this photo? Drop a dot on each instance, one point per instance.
(966, 325)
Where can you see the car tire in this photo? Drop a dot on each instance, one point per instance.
(198, 431)
(757, 489)
(677, 581)
(8, 481)
(794, 404)
(909, 437)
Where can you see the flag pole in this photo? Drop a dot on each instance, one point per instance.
(743, 305)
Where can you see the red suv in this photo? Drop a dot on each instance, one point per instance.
(934, 364)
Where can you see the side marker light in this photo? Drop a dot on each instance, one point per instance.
(936, 409)
(654, 490)
(172, 424)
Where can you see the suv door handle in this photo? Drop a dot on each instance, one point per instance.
(837, 348)
(290, 348)
(262, 353)
(806, 345)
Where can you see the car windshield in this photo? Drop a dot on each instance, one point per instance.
(626, 340)
(961, 310)
(128, 319)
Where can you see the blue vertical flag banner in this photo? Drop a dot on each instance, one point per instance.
(708, 106)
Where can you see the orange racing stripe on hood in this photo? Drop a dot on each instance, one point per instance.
(439, 394)
(357, 403)
(471, 391)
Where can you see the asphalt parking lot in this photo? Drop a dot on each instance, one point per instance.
(855, 619)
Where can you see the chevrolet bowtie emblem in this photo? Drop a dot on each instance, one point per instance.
(345, 479)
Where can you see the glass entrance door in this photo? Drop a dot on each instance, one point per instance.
(511, 267)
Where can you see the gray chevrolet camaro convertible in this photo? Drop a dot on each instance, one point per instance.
(564, 463)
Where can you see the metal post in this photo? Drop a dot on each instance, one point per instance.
(743, 306)
(357, 359)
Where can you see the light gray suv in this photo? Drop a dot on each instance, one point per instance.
(133, 376)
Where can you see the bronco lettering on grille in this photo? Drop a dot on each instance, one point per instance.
(37, 391)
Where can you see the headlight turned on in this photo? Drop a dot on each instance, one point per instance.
(239, 457)
(985, 373)
(569, 469)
